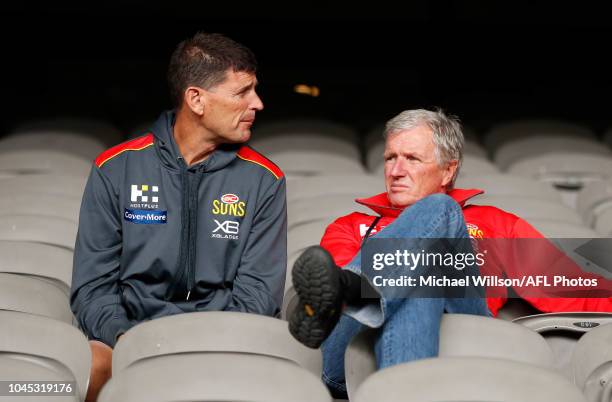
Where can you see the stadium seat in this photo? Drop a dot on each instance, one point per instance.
(552, 229)
(52, 349)
(33, 295)
(476, 166)
(52, 184)
(74, 144)
(512, 131)
(39, 260)
(592, 364)
(593, 199)
(214, 377)
(459, 379)
(213, 332)
(324, 207)
(98, 130)
(562, 331)
(569, 170)
(39, 229)
(353, 186)
(528, 147)
(43, 162)
(509, 185)
(530, 208)
(460, 336)
(603, 223)
(40, 205)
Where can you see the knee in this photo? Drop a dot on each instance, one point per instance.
(439, 202)
(101, 360)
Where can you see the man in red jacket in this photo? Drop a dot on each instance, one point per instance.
(423, 153)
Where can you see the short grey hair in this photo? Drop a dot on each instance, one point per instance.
(447, 133)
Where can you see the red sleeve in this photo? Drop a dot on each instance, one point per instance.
(522, 229)
(340, 240)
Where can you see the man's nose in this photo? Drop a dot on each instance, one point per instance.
(256, 103)
(398, 168)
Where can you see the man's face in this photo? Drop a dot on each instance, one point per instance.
(411, 169)
(230, 107)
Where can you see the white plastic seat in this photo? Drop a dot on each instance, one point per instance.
(32, 295)
(307, 234)
(563, 330)
(39, 229)
(603, 224)
(41, 341)
(460, 336)
(476, 166)
(75, 144)
(529, 208)
(41, 204)
(98, 130)
(213, 332)
(43, 162)
(326, 207)
(524, 148)
(592, 364)
(52, 184)
(593, 199)
(565, 170)
(354, 186)
(515, 130)
(556, 230)
(454, 379)
(37, 259)
(17, 367)
(508, 185)
(302, 163)
(214, 377)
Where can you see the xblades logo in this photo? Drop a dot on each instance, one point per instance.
(230, 230)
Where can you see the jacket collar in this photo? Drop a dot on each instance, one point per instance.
(381, 205)
(170, 156)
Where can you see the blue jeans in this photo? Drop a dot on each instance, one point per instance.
(408, 328)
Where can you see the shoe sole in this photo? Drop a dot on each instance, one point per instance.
(317, 284)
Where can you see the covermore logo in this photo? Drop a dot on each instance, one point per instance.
(229, 204)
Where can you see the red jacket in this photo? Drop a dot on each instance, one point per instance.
(344, 236)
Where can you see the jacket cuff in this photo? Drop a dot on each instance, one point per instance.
(114, 329)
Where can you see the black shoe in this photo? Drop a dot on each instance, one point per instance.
(317, 281)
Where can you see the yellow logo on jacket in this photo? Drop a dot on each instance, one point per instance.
(229, 204)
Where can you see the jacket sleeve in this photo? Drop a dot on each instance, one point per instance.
(550, 261)
(340, 241)
(95, 296)
(260, 279)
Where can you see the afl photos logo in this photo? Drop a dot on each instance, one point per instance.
(229, 204)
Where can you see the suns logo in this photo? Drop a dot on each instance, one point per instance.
(474, 231)
(229, 204)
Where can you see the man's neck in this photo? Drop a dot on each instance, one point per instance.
(194, 142)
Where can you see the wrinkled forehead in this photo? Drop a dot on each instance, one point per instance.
(418, 137)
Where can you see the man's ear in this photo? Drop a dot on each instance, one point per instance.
(194, 99)
(449, 172)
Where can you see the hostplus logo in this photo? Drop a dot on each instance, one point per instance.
(144, 196)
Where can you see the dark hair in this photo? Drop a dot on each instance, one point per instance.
(203, 61)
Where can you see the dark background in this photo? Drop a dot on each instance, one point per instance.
(484, 61)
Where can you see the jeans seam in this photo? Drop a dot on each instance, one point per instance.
(335, 384)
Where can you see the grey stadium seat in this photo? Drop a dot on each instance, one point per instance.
(475, 166)
(355, 185)
(593, 199)
(43, 162)
(98, 130)
(326, 207)
(213, 332)
(32, 295)
(524, 148)
(603, 224)
(75, 144)
(52, 184)
(592, 364)
(511, 131)
(41, 204)
(37, 259)
(565, 170)
(46, 342)
(21, 367)
(509, 185)
(39, 229)
(530, 208)
(214, 377)
(552, 229)
(562, 331)
(460, 379)
(460, 336)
